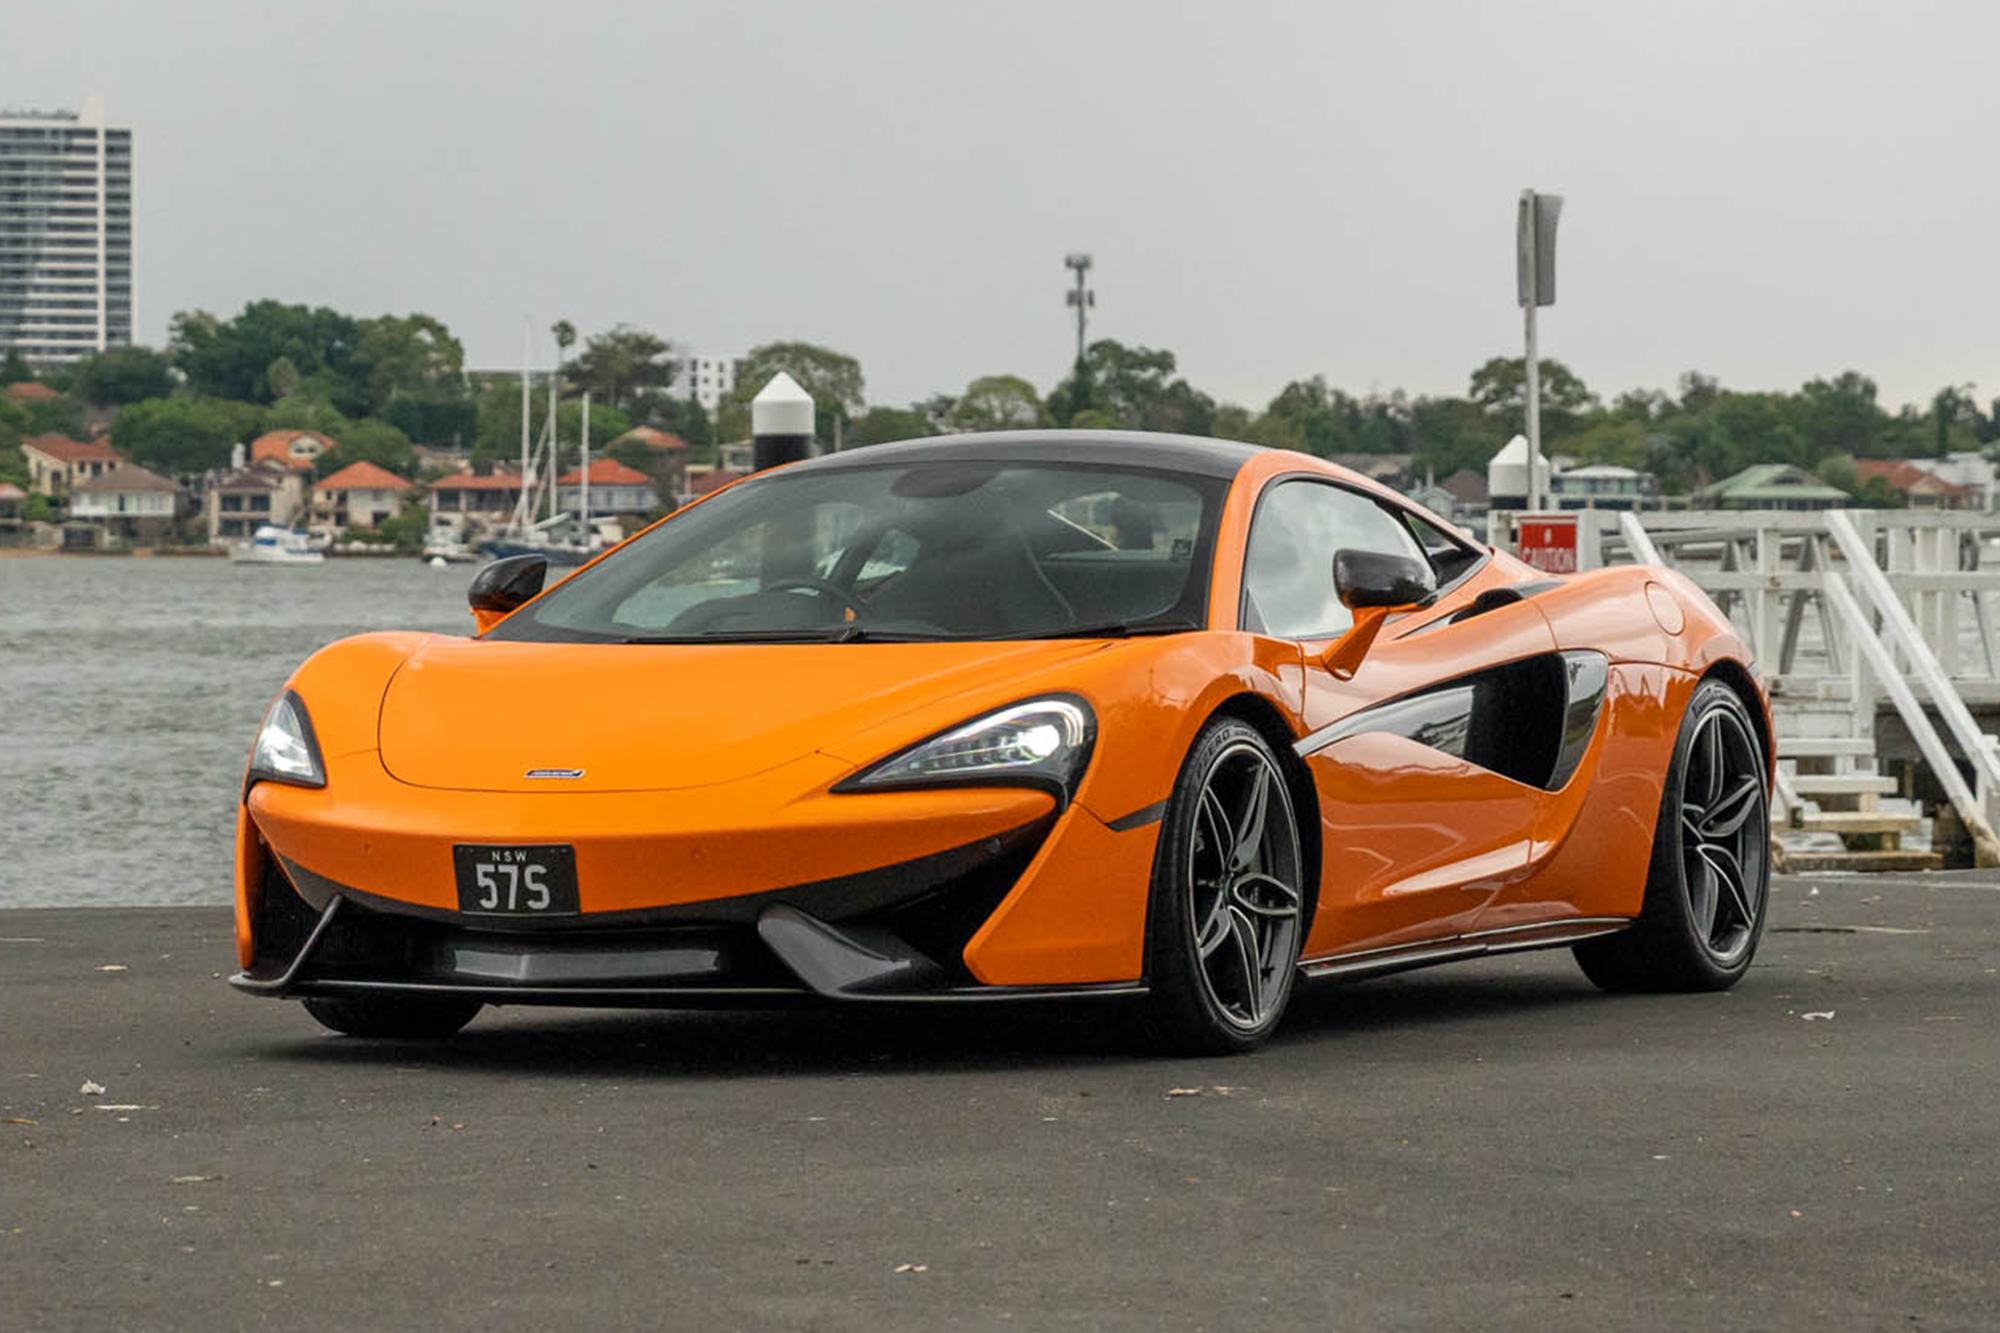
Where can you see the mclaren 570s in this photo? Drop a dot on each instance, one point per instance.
(1007, 717)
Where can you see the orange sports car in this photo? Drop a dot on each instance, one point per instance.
(1007, 717)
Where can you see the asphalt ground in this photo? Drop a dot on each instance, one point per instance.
(1491, 1145)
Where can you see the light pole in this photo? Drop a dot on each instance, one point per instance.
(1535, 286)
(1080, 298)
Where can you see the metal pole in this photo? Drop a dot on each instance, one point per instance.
(585, 462)
(1533, 366)
(521, 510)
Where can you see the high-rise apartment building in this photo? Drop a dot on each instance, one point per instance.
(65, 233)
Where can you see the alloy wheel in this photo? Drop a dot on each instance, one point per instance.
(1724, 835)
(1244, 898)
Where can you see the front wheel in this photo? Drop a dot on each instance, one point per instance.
(1229, 900)
(391, 1016)
(1709, 881)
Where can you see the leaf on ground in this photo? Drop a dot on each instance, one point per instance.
(91, 1088)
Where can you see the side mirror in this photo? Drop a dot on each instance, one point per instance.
(1370, 578)
(1372, 584)
(503, 585)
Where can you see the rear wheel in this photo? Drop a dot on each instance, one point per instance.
(1709, 881)
(392, 1016)
(1228, 901)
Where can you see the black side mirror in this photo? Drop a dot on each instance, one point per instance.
(1372, 578)
(505, 584)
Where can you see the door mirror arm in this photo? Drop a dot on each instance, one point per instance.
(1374, 586)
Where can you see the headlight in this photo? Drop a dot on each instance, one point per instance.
(286, 750)
(1040, 743)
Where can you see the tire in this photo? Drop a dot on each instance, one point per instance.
(1708, 882)
(392, 1017)
(1228, 910)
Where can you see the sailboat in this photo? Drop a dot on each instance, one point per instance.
(561, 538)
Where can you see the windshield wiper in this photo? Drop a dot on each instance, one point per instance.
(845, 633)
(1112, 629)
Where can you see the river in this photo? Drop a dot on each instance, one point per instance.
(130, 690)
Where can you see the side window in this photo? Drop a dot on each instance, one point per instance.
(1288, 570)
(1449, 555)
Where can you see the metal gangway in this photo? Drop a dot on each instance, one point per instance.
(1854, 616)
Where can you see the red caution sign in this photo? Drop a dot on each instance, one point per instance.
(1548, 542)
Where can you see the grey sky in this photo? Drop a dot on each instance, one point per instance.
(1763, 191)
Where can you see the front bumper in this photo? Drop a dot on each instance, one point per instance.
(692, 897)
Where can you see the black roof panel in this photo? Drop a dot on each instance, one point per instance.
(1132, 448)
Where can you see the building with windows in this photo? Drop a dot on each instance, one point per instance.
(360, 495)
(129, 503)
(243, 501)
(706, 379)
(65, 233)
(58, 464)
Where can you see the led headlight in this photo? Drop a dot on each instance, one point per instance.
(1039, 743)
(286, 750)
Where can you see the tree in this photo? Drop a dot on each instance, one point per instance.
(448, 421)
(1841, 416)
(232, 358)
(410, 355)
(122, 375)
(879, 425)
(677, 416)
(368, 441)
(1500, 387)
(14, 368)
(998, 402)
(183, 434)
(1132, 388)
(832, 378)
(617, 365)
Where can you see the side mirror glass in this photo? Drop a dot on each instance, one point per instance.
(505, 584)
(1371, 578)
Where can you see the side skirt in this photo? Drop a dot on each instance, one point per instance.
(1454, 948)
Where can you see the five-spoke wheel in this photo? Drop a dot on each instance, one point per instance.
(1710, 869)
(1229, 896)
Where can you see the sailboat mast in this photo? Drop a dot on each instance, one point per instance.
(521, 509)
(585, 461)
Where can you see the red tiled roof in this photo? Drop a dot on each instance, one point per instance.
(658, 439)
(277, 444)
(712, 481)
(9, 491)
(606, 472)
(29, 391)
(65, 450)
(1903, 475)
(466, 481)
(363, 476)
(129, 478)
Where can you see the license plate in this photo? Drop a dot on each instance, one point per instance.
(516, 881)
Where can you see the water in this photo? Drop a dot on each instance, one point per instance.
(129, 694)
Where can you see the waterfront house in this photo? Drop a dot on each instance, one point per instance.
(1922, 484)
(13, 502)
(241, 502)
(614, 489)
(293, 448)
(1771, 486)
(129, 504)
(58, 464)
(360, 495)
(1468, 493)
(464, 498)
(1605, 486)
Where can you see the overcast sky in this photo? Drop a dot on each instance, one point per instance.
(1763, 191)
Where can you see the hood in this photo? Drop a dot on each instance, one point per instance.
(479, 716)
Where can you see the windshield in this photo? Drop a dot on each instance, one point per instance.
(949, 549)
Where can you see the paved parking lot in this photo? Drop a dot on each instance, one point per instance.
(1494, 1145)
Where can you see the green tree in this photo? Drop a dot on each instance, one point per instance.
(677, 416)
(446, 421)
(832, 378)
(999, 402)
(1500, 387)
(1273, 432)
(1133, 388)
(122, 375)
(368, 441)
(401, 356)
(880, 425)
(14, 368)
(232, 358)
(408, 528)
(183, 434)
(1841, 416)
(618, 365)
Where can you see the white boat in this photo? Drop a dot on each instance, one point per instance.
(277, 546)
